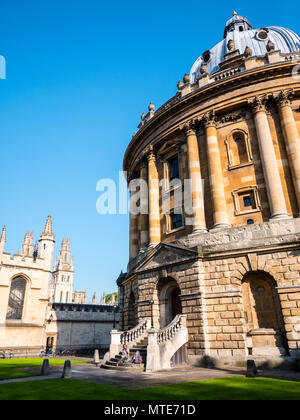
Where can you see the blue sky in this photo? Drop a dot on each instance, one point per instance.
(79, 75)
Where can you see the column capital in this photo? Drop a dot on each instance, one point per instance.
(189, 128)
(258, 104)
(210, 119)
(149, 154)
(284, 98)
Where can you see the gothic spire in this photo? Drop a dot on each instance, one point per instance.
(3, 235)
(48, 228)
(2, 239)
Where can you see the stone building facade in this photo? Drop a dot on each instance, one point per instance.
(230, 262)
(24, 293)
(81, 327)
(37, 313)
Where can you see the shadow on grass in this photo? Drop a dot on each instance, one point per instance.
(10, 368)
(235, 388)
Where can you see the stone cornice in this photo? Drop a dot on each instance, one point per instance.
(177, 104)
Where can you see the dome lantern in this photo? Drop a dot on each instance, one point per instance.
(239, 38)
(237, 23)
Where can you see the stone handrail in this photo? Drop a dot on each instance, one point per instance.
(131, 337)
(163, 344)
(170, 330)
(136, 333)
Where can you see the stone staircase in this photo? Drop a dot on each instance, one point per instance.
(158, 347)
(140, 346)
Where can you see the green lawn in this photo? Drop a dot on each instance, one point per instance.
(236, 388)
(9, 367)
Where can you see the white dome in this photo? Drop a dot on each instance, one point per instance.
(240, 30)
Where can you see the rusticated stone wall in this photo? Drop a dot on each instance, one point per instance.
(211, 277)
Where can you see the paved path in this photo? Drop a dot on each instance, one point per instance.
(138, 380)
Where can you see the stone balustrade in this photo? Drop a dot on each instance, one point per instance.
(163, 344)
(135, 334)
(172, 329)
(131, 337)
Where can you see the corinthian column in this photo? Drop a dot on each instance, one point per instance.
(144, 217)
(215, 173)
(199, 224)
(133, 230)
(268, 159)
(154, 213)
(291, 137)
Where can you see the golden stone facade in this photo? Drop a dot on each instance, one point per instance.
(233, 265)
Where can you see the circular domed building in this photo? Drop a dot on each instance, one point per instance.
(219, 276)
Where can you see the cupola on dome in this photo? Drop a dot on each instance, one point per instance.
(239, 35)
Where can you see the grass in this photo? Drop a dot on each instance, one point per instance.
(9, 367)
(235, 388)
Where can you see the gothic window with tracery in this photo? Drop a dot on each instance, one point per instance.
(16, 299)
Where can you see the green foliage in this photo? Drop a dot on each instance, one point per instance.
(236, 388)
(108, 297)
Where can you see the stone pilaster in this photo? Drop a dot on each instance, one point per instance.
(268, 159)
(215, 173)
(291, 137)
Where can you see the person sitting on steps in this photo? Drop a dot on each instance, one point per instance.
(125, 355)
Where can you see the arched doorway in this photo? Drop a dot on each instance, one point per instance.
(263, 316)
(169, 301)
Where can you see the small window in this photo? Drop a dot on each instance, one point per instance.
(247, 201)
(176, 221)
(241, 29)
(262, 35)
(250, 222)
(206, 56)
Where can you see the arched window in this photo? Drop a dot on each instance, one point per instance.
(16, 299)
(238, 149)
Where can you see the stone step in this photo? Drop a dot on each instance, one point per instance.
(129, 367)
(112, 363)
